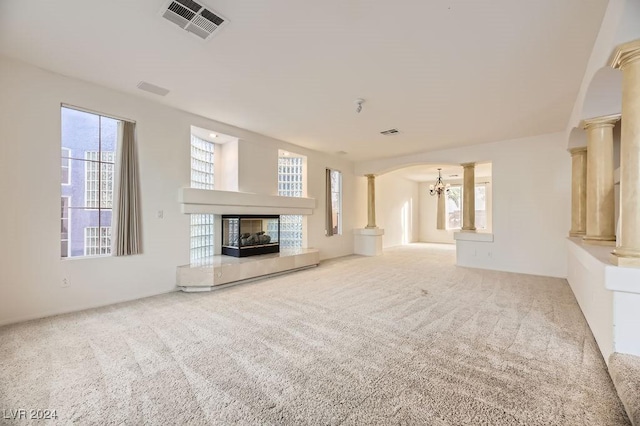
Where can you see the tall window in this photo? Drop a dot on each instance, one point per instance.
(334, 202)
(89, 143)
(454, 207)
(202, 171)
(290, 184)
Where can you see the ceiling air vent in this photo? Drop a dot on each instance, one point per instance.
(152, 88)
(193, 17)
(390, 132)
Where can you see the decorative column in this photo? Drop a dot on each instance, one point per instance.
(627, 58)
(601, 227)
(368, 240)
(371, 201)
(469, 197)
(578, 192)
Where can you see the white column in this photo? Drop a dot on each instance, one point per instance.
(600, 195)
(371, 201)
(578, 192)
(627, 58)
(469, 197)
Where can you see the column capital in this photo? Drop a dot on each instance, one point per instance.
(468, 164)
(625, 54)
(577, 150)
(370, 176)
(603, 121)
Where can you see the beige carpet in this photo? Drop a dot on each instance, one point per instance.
(625, 372)
(406, 338)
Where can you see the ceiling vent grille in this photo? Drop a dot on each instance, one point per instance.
(390, 132)
(193, 17)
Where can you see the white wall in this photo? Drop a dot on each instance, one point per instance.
(397, 209)
(30, 174)
(531, 201)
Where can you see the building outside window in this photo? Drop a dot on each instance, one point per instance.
(290, 184)
(89, 143)
(202, 177)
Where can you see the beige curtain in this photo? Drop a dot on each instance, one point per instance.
(328, 205)
(128, 239)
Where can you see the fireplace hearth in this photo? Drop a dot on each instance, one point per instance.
(250, 235)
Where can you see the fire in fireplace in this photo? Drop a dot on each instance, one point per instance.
(249, 235)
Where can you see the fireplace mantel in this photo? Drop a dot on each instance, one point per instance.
(231, 202)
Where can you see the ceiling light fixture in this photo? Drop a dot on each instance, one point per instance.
(359, 103)
(213, 135)
(439, 187)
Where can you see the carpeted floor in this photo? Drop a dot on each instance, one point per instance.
(406, 338)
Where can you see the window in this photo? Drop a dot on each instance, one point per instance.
(290, 184)
(481, 206)
(89, 143)
(65, 175)
(97, 243)
(64, 227)
(201, 163)
(334, 202)
(202, 170)
(454, 207)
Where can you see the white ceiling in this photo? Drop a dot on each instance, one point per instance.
(446, 73)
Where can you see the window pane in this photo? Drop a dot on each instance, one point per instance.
(80, 132)
(481, 206)
(79, 219)
(454, 207)
(336, 200)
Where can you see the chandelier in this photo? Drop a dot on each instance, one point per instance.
(439, 187)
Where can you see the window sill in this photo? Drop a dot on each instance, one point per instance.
(485, 237)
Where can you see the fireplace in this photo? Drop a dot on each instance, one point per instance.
(250, 235)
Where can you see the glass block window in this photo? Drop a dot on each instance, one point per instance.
(97, 240)
(99, 179)
(202, 168)
(201, 163)
(201, 236)
(290, 184)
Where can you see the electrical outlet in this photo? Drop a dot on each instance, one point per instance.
(160, 214)
(65, 282)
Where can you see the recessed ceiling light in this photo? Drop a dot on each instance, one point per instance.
(213, 135)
